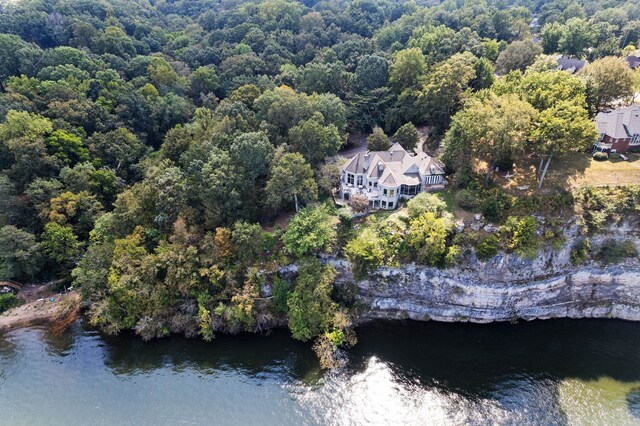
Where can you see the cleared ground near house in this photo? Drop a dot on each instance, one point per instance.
(572, 171)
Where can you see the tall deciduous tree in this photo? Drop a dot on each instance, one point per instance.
(408, 69)
(19, 254)
(378, 141)
(290, 178)
(309, 232)
(493, 130)
(446, 87)
(517, 56)
(407, 136)
(315, 140)
(564, 128)
(609, 80)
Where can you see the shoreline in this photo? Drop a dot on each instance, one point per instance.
(42, 312)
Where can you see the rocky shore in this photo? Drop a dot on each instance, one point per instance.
(61, 311)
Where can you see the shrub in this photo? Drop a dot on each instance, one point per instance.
(366, 252)
(613, 251)
(496, 207)
(523, 237)
(425, 203)
(487, 248)
(580, 251)
(359, 203)
(8, 301)
(601, 205)
(310, 231)
(467, 200)
(281, 292)
(600, 156)
(614, 156)
(635, 149)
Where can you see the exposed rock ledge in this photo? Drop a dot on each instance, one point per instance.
(503, 289)
(424, 293)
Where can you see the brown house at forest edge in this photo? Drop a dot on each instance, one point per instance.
(618, 130)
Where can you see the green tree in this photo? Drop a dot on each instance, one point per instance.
(67, 147)
(247, 237)
(91, 274)
(485, 75)
(517, 56)
(59, 243)
(311, 309)
(608, 80)
(551, 35)
(577, 36)
(252, 153)
(493, 130)
(426, 203)
(10, 46)
(290, 178)
(564, 128)
(378, 141)
(407, 136)
(428, 237)
(446, 87)
(311, 231)
(366, 251)
(408, 69)
(543, 89)
(204, 80)
(19, 254)
(314, 140)
(119, 149)
(372, 73)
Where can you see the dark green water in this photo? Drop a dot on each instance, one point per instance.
(540, 373)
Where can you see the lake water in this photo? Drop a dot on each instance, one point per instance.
(559, 372)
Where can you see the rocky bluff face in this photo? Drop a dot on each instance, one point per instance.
(504, 288)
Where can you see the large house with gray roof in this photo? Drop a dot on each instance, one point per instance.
(385, 177)
(619, 130)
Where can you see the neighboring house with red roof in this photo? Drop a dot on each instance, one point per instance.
(385, 177)
(619, 130)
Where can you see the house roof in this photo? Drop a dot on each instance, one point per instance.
(620, 123)
(394, 167)
(570, 64)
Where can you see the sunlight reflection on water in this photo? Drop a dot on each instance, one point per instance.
(450, 375)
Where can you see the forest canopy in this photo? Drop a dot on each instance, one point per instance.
(146, 147)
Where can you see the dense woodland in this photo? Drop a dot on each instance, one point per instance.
(149, 149)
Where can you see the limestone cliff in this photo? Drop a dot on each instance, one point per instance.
(502, 289)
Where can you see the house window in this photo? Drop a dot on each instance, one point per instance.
(384, 192)
(392, 192)
(375, 184)
(370, 183)
(635, 140)
(390, 205)
(360, 180)
(350, 178)
(409, 189)
(383, 204)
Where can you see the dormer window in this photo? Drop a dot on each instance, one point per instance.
(360, 180)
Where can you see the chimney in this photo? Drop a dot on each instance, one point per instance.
(367, 159)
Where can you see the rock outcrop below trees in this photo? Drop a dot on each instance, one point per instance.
(505, 288)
